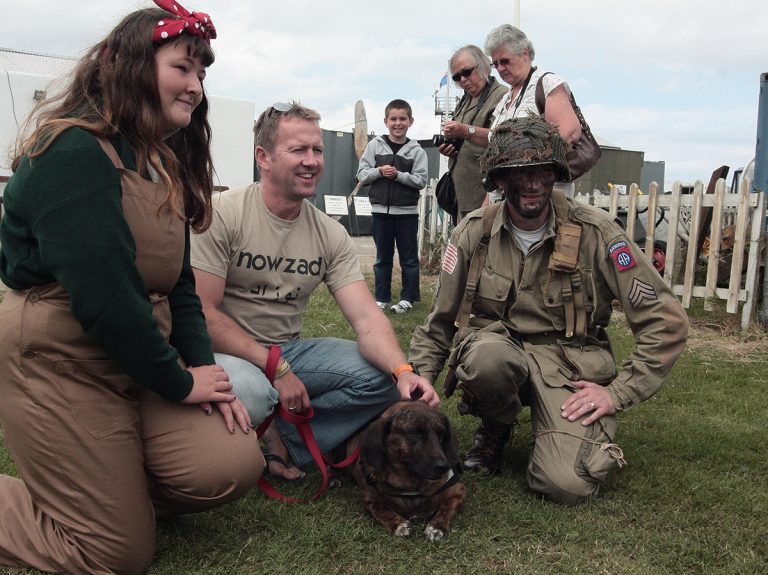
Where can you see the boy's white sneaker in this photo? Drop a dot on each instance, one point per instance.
(403, 306)
(382, 305)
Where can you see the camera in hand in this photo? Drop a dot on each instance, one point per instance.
(440, 139)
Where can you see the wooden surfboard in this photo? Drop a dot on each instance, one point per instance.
(361, 129)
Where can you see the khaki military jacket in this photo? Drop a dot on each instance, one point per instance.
(521, 296)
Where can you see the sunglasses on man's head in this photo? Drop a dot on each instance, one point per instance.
(281, 107)
(465, 73)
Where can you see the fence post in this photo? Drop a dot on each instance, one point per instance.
(634, 193)
(756, 239)
(422, 220)
(716, 227)
(650, 226)
(689, 278)
(739, 245)
(674, 222)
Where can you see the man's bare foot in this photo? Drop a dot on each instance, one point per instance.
(278, 460)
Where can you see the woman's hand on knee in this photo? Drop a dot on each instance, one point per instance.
(210, 384)
(234, 413)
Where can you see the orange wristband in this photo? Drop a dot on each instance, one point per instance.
(401, 369)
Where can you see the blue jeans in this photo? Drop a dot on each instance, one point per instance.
(345, 390)
(388, 230)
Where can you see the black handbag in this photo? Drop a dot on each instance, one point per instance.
(584, 153)
(445, 193)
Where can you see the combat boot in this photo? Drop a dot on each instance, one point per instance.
(486, 453)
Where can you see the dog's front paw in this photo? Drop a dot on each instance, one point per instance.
(404, 529)
(433, 533)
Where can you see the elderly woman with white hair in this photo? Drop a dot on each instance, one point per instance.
(471, 71)
(512, 55)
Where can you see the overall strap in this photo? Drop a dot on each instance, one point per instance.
(111, 153)
(476, 265)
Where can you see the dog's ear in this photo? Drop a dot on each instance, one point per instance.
(450, 445)
(372, 446)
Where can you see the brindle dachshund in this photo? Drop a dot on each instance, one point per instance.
(409, 468)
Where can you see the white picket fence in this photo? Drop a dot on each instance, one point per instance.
(683, 213)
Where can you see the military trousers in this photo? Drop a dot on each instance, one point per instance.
(499, 373)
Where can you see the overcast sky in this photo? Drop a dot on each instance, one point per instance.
(676, 79)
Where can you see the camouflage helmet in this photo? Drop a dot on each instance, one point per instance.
(525, 141)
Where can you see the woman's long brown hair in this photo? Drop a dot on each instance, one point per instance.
(113, 90)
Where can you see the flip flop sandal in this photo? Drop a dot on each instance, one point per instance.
(277, 459)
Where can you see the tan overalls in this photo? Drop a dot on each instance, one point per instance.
(100, 455)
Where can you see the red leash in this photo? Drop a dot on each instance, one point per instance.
(303, 423)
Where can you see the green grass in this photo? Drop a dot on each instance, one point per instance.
(693, 498)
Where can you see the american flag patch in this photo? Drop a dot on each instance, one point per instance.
(450, 259)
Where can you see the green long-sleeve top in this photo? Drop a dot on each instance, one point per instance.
(64, 223)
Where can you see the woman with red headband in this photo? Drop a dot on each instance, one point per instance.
(112, 407)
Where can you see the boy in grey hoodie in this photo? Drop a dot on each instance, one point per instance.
(396, 169)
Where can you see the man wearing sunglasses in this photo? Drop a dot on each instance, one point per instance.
(471, 71)
(266, 251)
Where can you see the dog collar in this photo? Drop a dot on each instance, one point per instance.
(454, 475)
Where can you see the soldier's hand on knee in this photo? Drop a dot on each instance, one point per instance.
(590, 402)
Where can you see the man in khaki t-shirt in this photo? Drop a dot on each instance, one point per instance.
(266, 251)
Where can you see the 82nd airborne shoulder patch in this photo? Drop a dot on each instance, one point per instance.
(622, 256)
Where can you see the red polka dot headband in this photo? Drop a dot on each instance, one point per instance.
(194, 23)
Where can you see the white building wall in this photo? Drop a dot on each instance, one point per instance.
(17, 99)
(232, 142)
(231, 122)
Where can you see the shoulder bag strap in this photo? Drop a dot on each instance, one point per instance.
(540, 97)
(541, 100)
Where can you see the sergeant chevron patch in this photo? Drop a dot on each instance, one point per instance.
(640, 291)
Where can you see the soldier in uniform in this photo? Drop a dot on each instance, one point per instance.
(520, 312)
